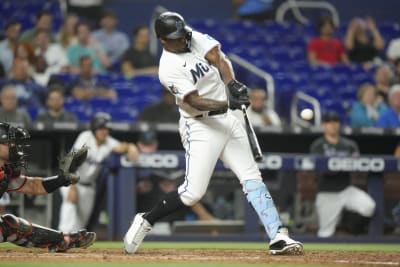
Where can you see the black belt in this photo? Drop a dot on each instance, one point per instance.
(211, 113)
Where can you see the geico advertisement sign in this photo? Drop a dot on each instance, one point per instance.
(272, 162)
(356, 164)
(159, 161)
(152, 161)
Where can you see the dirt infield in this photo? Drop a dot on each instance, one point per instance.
(341, 258)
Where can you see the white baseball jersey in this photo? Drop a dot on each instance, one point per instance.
(89, 170)
(207, 138)
(184, 73)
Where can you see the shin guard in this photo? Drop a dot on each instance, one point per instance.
(258, 196)
(23, 233)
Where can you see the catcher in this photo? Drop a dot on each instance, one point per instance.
(18, 230)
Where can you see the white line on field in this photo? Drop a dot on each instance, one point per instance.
(389, 263)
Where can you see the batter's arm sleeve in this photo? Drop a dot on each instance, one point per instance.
(217, 58)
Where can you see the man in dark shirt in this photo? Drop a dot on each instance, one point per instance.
(137, 59)
(164, 111)
(55, 109)
(335, 192)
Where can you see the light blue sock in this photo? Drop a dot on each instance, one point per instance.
(258, 196)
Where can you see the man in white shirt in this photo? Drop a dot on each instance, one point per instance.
(54, 55)
(78, 200)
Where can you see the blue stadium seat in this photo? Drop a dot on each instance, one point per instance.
(122, 116)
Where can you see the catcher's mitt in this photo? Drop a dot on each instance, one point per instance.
(73, 159)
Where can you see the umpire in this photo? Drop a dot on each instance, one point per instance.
(336, 196)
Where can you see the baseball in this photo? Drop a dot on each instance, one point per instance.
(307, 114)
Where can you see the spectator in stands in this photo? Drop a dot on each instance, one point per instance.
(9, 111)
(367, 109)
(325, 49)
(335, 193)
(393, 50)
(55, 109)
(396, 76)
(383, 76)
(9, 45)
(67, 35)
(87, 85)
(114, 42)
(390, 118)
(29, 93)
(259, 113)
(164, 111)
(78, 200)
(87, 47)
(363, 41)
(138, 59)
(152, 183)
(24, 53)
(44, 22)
(53, 55)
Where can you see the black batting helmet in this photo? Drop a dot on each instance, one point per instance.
(171, 25)
(100, 120)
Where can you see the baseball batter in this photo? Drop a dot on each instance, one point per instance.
(78, 199)
(18, 230)
(195, 70)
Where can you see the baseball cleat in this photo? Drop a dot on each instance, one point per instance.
(136, 233)
(282, 244)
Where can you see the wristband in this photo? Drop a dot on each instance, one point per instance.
(52, 183)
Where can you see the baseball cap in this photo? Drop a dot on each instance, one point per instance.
(330, 116)
(148, 137)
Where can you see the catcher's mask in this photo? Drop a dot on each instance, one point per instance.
(171, 25)
(100, 120)
(15, 138)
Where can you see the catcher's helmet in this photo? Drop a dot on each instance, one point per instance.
(171, 25)
(100, 120)
(15, 137)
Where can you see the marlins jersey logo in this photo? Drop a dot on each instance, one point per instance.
(173, 89)
(199, 71)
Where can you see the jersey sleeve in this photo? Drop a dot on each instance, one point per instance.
(316, 148)
(81, 140)
(178, 84)
(203, 43)
(112, 142)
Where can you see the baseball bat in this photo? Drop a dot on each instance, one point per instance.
(255, 147)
